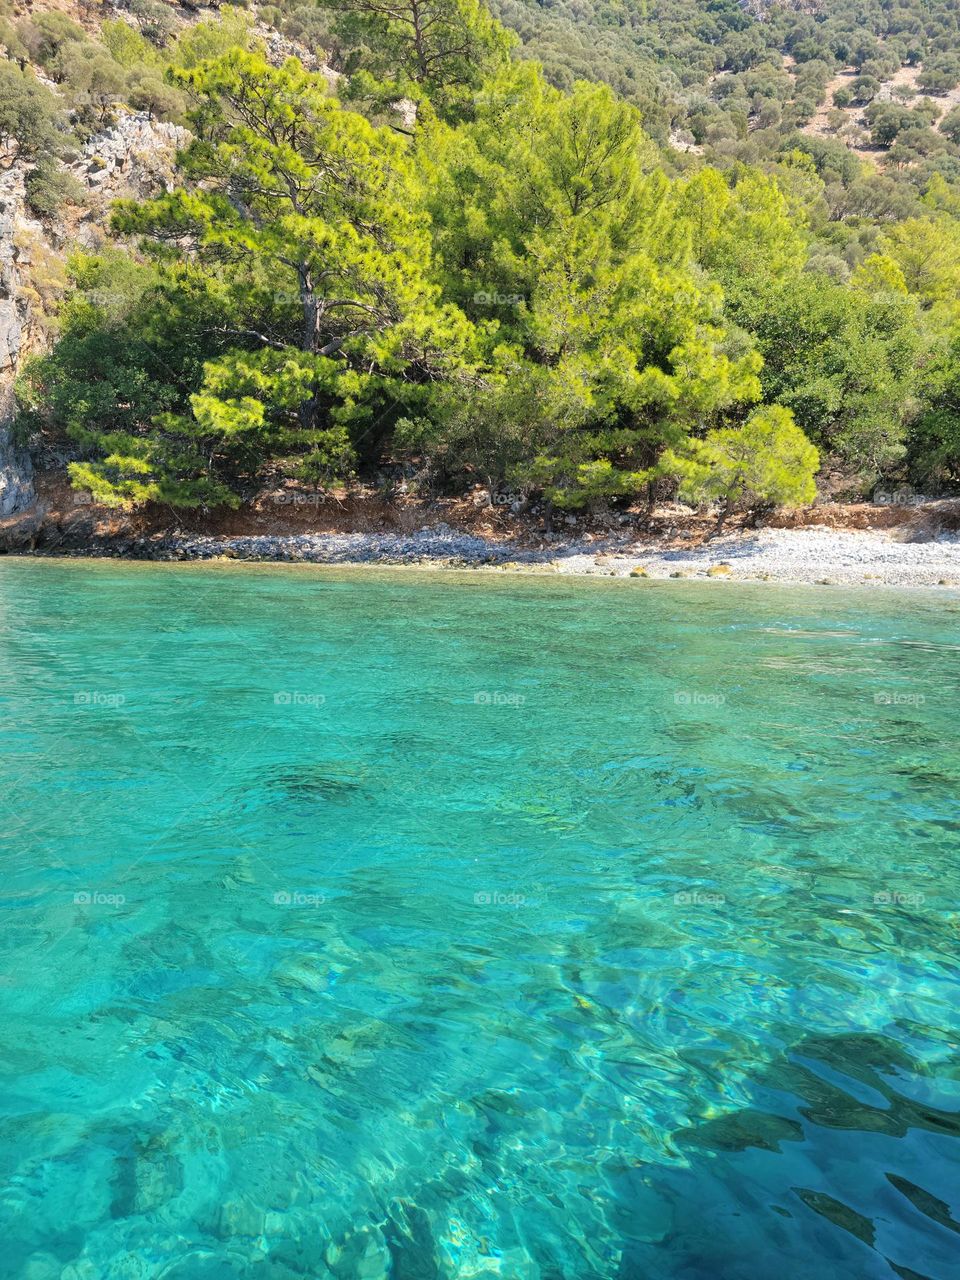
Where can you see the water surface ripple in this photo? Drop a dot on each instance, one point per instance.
(384, 924)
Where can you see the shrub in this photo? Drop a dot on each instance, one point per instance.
(766, 462)
(47, 35)
(50, 186)
(31, 121)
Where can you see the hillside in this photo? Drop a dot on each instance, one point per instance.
(721, 71)
(733, 278)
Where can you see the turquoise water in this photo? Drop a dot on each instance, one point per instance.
(383, 924)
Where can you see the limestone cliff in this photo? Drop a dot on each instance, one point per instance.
(16, 473)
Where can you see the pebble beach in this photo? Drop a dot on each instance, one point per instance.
(809, 555)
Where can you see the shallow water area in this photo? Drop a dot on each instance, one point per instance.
(371, 923)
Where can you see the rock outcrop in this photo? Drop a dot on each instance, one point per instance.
(16, 475)
(135, 155)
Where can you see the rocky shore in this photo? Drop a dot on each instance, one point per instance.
(807, 555)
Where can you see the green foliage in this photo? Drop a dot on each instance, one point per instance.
(48, 37)
(529, 284)
(574, 266)
(766, 462)
(927, 250)
(440, 48)
(231, 29)
(132, 338)
(842, 359)
(30, 118)
(743, 233)
(148, 91)
(940, 76)
(302, 216)
(94, 82)
(49, 186)
(127, 47)
(934, 443)
(155, 20)
(950, 125)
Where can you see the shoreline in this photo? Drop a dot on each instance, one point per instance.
(812, 555)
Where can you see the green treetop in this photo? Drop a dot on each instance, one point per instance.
(441, 49)
(559, 244)
(305, 215)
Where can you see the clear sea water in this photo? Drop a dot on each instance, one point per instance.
(368, 924)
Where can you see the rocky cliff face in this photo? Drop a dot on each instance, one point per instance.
(134, 156)
(16, 476)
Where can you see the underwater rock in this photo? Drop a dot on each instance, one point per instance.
(840, 1214)
(41, 1266)
(741, 1129)
(363, 1255)
(145, 1180)
(413, 1249)
(239, 1218)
